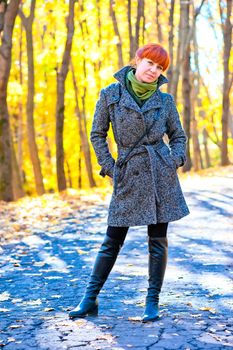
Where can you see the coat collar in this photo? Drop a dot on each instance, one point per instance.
(128, 101)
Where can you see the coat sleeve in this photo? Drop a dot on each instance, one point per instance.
(176, 135)
(99, 131)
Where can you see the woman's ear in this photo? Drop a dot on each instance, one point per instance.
(137, 59)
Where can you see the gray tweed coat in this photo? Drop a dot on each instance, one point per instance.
(146, 189)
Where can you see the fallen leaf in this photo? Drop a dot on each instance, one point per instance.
(210, 309)
(32, 302)
(81, 252)
(140, 303)
(135, 319)
(196, 315)
(105, 326)
(10, 340)
(39, 263)
(4, 296)
(216, 338)
(107, 337)
(16, 227)
(48, 309)
(14, 301)
(4, 310)
(80, 322)
(128, 302)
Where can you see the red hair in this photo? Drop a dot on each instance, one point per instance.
(156, 53)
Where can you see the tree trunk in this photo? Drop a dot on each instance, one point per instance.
(3, 6)
(17, 164)
(131, 37)
(143, 23)
(17, 183)
(83, 133)
(197, 159)
(60, 106)
(230, 124)
(98, 64)
(80, 166)
(227, 39)
(140, 15)
(33, 149)
(207, 155)
(135, 39)
(69, 174)
(171, 45)
(20, 119)
(47, 151)
(174, 71)
(158, 22)
(186, 87)
(184, 37)
(7, 20)
(117, 33)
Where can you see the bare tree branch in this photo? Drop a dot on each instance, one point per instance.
(22, 16)
(191, 30)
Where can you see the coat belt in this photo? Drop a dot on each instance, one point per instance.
(123, 159)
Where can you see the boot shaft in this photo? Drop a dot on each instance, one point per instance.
(158, 251)
(103, 265)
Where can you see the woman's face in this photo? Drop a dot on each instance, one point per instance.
(147, 71)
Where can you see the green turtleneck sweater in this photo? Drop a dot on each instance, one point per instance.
(138, 90)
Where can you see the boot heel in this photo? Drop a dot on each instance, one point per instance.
(94, 312)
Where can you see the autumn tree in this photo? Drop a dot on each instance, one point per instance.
(33, 149)
(117, 34)
(225, 8)
(60, 105)
(8, 14)
(134, 31)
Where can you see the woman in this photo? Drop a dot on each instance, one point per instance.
(146, 186)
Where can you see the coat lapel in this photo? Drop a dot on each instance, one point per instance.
(128, 101)
(154, 101)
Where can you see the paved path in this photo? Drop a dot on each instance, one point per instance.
(44, 276)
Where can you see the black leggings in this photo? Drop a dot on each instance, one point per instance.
(153, 230)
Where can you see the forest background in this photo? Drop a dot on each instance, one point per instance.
(55, 56)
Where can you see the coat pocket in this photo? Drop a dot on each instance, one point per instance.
(121, 179)
(165, 154)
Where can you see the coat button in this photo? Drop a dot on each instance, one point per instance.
(136, 173)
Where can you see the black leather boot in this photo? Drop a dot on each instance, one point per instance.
(158, 248)
(104, 262)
